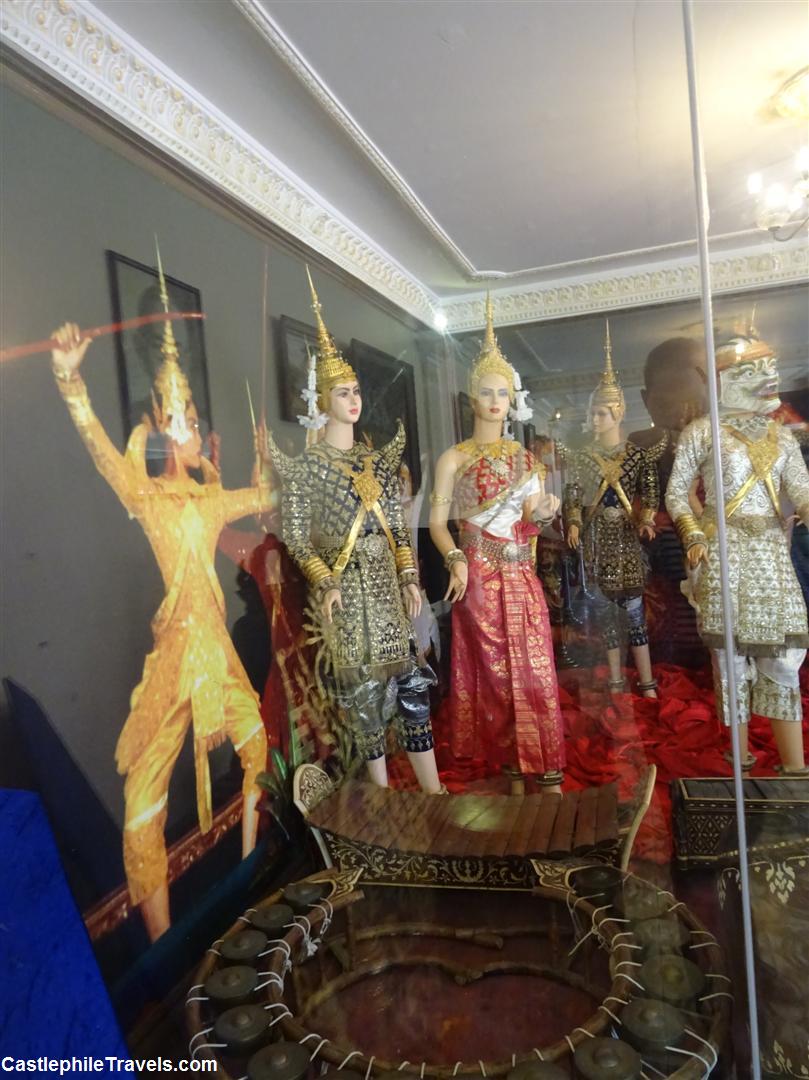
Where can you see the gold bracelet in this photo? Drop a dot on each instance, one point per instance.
(64, 374)
(325, 585)
(404, 559)
(573, 516)
(646, 517)
(315, 571)
(452, 556)
(689, 530)
(408, 577)
(439, 500)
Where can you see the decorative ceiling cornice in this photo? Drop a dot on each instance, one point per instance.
(297, 63)
(89, 53)
(264, 24)
(736, 271)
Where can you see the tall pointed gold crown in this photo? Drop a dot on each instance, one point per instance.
(171, 395)
(609, 392)
(332, 369)
(490, 359)
(744, 344)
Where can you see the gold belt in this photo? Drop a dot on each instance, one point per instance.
(499, 552)
(751, 524)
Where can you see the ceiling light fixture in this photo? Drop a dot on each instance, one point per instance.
(791, 99)
(440, 321)
(780, 207)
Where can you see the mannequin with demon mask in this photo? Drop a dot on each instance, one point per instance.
(761, 461)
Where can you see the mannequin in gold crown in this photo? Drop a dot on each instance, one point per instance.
(344, 526)
(604, 479)
(761, 460)
(193, 677)
(504, 701)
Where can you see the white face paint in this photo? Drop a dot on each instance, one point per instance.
(750, 386)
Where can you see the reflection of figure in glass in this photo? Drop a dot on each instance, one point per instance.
(290, 703)
(344, 527)
(674, 393)
(147, 342)
(604, 480)
(760, 460)
(504, 701)
(193, 676)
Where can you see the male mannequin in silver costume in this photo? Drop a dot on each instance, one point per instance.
(760, 461)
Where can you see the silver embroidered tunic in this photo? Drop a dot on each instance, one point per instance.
(769, 613)
(370, 636)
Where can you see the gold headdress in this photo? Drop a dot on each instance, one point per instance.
(332, 369)
(490, 359)
(609, 392)
(743, 345)
(171, 396)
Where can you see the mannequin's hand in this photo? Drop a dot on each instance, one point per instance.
(72, 348)
(261, 443)
(573, 536)
(697, 554)
(458, 578)
(215, 449)
(411, 594)
(647, 532)
(330, 600)
(547, 507)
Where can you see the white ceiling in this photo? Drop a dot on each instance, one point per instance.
(548, 132)
(442, 141)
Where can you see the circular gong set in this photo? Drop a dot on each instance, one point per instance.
(297, 954)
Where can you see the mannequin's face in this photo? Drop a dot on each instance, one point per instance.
(189, 452)
(603, 421)
(750, 386)
(492, 401)
(345, 403)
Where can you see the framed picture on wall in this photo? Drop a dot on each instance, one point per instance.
(135, 291)
(388, 395)
(294, 341)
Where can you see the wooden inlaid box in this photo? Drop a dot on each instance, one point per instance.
(705, 814)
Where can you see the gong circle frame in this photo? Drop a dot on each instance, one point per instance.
(610, 930)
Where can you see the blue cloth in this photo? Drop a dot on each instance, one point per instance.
(53, 1001)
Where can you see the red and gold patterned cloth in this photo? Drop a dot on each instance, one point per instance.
(504, 700)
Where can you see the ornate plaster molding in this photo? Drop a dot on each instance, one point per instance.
(86, 51)
(271, 32)
(264, 24)
(731, 271)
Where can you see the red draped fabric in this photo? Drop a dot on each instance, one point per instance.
(504, 704)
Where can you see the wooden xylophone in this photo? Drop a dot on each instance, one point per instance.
(468, 841)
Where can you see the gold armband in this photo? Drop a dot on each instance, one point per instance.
(689, 531)
(573, 516)
(315, 571)
(404, 559)
(439, 500)
(646, 517)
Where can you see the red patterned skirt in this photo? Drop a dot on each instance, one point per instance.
(504, 699)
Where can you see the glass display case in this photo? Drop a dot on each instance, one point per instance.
(370, 655)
